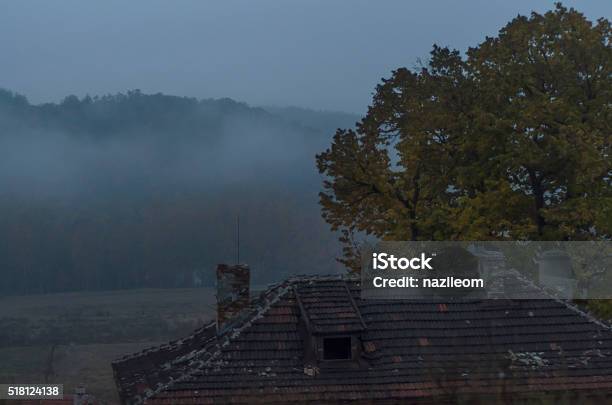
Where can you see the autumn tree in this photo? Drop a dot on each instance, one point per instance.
(510, 141)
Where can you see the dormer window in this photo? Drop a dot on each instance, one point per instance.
(330, 324)
(337, 348)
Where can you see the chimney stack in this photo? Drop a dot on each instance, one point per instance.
(556, 273)
(233, 293)
(492, 268)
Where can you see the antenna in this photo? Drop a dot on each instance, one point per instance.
(238, 239)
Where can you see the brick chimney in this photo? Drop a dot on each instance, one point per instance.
(233, 293)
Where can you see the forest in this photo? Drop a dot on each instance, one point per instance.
(136, 190)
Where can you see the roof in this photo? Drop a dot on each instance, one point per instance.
(328, 307)
(412, 350)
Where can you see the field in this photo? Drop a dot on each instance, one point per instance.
(72, 338)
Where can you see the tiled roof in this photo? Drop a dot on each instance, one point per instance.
(411, 350)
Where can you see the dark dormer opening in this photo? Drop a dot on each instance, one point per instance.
(337, 348)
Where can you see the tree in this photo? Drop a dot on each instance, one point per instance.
(511, 142)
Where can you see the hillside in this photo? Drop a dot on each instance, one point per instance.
(135, 190)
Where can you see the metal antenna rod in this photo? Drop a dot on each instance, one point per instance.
(238, 239)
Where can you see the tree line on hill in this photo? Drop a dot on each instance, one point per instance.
(135, 190)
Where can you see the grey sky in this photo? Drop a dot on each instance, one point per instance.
(322, 54)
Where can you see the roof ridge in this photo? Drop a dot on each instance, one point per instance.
(565, 303)
(322, 277)
(157, 348)
(584, 314)
(275, 292)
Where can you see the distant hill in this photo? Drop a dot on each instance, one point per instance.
(143, 190)
(129, 113)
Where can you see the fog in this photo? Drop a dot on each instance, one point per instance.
(57, 164)
(144, 191)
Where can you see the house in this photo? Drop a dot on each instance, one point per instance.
(314, 340)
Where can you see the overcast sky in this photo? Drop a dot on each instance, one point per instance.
(321, 54)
